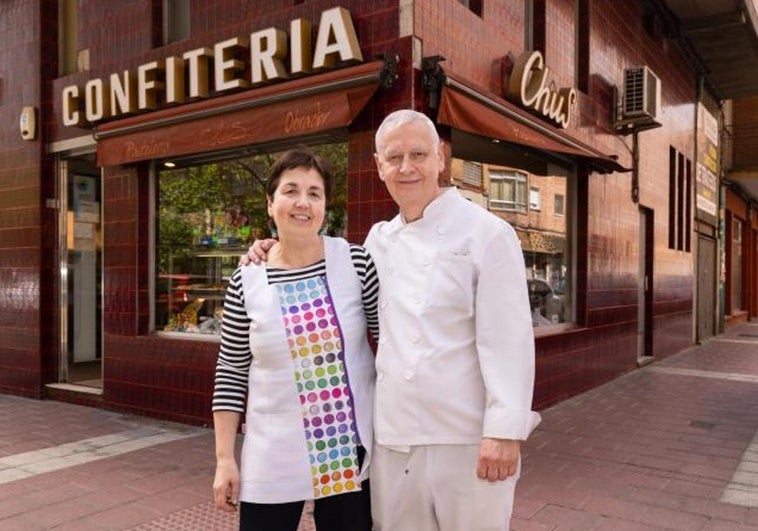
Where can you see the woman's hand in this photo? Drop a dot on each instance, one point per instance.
(226, 485)
(257, 253)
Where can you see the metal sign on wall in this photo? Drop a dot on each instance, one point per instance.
(708, 165)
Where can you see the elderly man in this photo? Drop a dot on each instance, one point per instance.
(455, 366)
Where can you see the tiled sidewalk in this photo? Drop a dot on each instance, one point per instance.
(657, 449)
(671, 446)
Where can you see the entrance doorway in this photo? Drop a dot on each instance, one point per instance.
(645, 289)
(706, 287)
(81, 273)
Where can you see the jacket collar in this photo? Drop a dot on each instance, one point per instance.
(436, 213)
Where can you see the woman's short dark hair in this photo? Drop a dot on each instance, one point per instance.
(300, 157)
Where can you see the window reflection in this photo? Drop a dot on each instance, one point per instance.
(535, 206)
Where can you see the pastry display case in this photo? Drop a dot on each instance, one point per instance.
(192, 302)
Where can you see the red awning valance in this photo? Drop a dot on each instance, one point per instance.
(471, 110)
(297, 108)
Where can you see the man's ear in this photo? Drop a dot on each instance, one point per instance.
(441, 155)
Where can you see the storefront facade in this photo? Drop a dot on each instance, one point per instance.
(129, 199)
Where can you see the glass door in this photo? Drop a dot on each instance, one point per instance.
(81, 275)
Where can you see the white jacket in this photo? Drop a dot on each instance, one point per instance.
(456, 351)
(275, 465)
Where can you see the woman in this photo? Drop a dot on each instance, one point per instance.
(294, 341)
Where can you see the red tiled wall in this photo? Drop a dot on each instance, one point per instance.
(164, 378)
(172, 378)
(477, 48)
(27, 277)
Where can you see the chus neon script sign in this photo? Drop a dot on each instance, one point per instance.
(177, 79)
(528, 87)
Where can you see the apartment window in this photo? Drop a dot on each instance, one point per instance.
(475, 6)
(559, 207)
(472, 174)
(680, 201)
(67, 29)
(508, 190)
(176, 20)
(534, 198)
(582, 26)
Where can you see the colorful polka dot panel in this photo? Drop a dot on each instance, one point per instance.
(314, 339)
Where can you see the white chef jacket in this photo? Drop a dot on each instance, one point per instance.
(275, 465)
(455, 361)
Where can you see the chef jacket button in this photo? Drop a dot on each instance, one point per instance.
(383, 340)
(253, 325)
(380, 376)
(441, 230)
(408, 375)
(393, 239)
(415, 339)
(383, 304)
(427, 262)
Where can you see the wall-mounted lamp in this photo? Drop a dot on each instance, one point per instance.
(27, 123)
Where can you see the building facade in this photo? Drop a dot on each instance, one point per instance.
(137, 135)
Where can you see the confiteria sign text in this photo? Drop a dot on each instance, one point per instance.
(177, 79)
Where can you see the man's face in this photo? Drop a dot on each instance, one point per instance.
(410, 164)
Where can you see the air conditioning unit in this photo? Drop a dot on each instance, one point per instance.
(642, 95)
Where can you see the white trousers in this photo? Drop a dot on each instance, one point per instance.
(435, 488)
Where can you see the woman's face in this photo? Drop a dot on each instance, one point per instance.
(298, 206)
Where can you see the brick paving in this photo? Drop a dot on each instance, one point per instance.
(672, 446)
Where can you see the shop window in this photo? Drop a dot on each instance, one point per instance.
(544, 232)
(67, 28)
(508, 190)
(207, 214)
(176, 20)
(680, 201)
(475, 6)
(545, 240)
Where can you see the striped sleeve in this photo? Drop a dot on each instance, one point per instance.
(234, 355)
(366, 269)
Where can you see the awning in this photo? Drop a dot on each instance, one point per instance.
(541, 242)
(471, 110)
(292, 109)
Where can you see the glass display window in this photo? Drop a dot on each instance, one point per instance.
(207, 216)
(535, 204)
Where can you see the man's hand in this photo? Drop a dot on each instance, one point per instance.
(226, 485)
(257, 253)
(498, 459)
